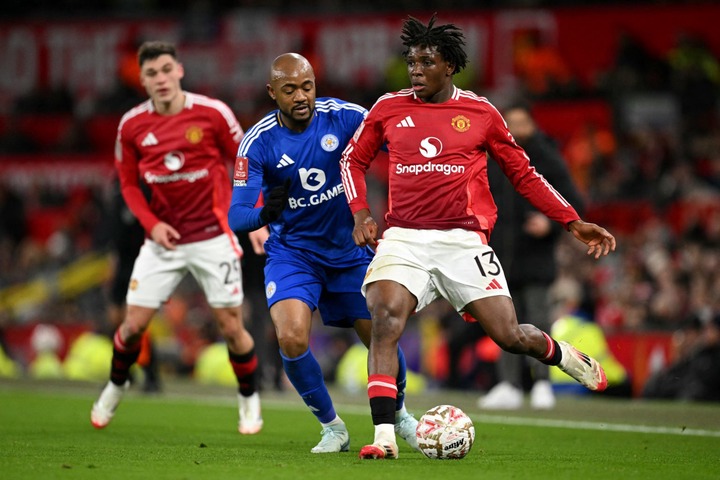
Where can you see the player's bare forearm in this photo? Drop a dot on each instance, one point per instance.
(366, 229)
(599, 240)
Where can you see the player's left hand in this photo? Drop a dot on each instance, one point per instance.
(366, 229)
(600, 241)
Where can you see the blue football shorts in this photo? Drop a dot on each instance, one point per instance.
(335, 292)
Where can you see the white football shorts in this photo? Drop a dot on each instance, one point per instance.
(215, 264)
(454, 264)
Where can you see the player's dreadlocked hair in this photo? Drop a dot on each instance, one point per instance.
(448, 39)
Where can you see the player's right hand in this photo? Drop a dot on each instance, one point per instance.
(275, 203)
(365, 230)
(165, 235)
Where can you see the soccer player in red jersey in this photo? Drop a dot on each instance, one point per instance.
(178, 144)
(440, 216)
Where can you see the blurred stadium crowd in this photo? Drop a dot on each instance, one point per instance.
(144, 7)
(641, 139)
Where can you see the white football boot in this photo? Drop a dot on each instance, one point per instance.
(335, 438)
(405, 427)
(380, 449)
(251, 421)
(104, 408)
(582, 368)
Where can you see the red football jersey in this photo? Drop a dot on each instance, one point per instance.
(437, 171)
(184, 161)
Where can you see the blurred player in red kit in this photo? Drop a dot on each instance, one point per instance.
(440, 216)
(179, 143)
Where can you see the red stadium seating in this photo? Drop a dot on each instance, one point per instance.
(101, 131)
(46, 130)
(43, 222)
(561, 118)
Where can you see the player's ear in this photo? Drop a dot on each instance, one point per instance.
(270, 91)
(181, 70)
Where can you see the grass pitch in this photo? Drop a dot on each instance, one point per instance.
(189, 432)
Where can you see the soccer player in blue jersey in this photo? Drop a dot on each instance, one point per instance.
(292, 155)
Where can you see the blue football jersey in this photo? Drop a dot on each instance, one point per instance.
(317, 218)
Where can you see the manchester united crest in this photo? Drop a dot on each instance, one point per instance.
(369, 271)
(194, 134)
(461, 123)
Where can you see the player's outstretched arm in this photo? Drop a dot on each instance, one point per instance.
(600, 241)
(366, 229)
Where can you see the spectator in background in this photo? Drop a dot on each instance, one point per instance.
(13, 224)
(179, 142)
(127, 90)
(541, 69)
(13, 231)
(524, 240)
(590, 157)
(694, 373)
(696, 79)
(635, 69)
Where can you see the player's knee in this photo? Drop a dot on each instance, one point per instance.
(230, 332)
(386, 328)
(229, 322)
(292, 346)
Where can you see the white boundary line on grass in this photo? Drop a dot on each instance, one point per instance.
(569, 424)
(576, 425)
(493, 419)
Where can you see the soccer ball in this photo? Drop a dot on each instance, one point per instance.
(445, 432)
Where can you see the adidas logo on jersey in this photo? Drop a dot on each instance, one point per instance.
(494, 285)
(149, 140)
(285, 161)
(406, 123)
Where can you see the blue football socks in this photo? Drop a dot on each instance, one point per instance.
(306, 376)
(401, 380)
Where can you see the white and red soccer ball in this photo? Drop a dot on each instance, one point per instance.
(445, 432)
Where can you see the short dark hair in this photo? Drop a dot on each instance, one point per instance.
(153, 49)
(448, 39)
(519, 104)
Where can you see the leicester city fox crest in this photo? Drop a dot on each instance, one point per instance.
(270, 289)
(329, 142)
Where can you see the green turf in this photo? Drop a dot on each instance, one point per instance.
(189, 433)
